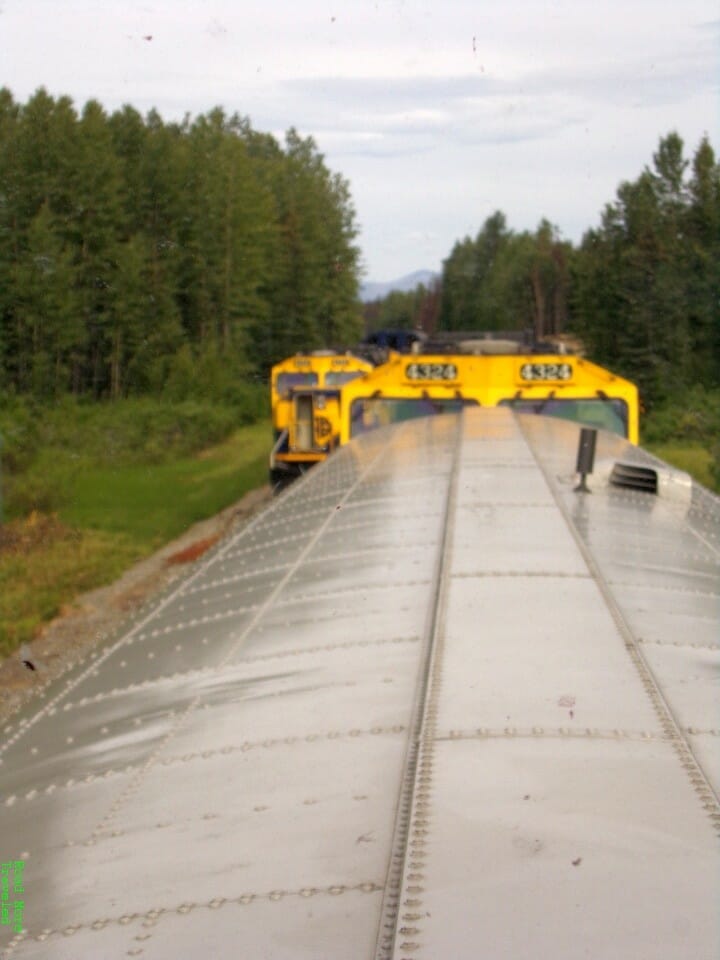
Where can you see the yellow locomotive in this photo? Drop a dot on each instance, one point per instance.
(448, 374)
(299, 440)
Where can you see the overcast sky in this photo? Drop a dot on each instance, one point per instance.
(437, 113)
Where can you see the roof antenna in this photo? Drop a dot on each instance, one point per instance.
(585, 457)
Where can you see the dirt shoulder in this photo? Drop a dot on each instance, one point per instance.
(94, 616)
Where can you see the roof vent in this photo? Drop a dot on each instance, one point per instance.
(635, 477)
(657, 479)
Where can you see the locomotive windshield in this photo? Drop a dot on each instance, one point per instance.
(606, 414)
(368, 413)
(286, 381)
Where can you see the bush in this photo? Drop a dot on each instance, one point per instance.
(35, 493)
(209, 377)
(692, 416)
(47, 448)
(19, 434)
(715, 464)
(134, 431)
(137, 431)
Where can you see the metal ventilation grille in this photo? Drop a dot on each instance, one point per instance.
(633, 476)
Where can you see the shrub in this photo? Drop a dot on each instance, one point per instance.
(208, 377)
(715, 464)
(691, 416)
(34, 493)
(19, 434)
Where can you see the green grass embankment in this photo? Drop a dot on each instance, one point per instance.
(152, 503)
(691, 457)
(685, 431)
(96, 493)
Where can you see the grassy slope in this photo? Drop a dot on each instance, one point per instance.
(685, 431)
(153, 503)
(113, 517)
(691, 457)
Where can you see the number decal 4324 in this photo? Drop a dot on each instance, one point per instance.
(431, 371)
(546, 371)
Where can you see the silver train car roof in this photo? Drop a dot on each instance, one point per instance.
(433, 703)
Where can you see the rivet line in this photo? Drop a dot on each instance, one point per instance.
(227, 749)
(545, 574)
(406, 877)
(572, 733)
(351, 591)
(216, 903)
(209, 671)
(682, 644)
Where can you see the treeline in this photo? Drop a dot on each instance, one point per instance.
(144, 257)
(645, 285)
(139, 256)
(404, 310)
(500, 280)
(504, 280)
(642, 290)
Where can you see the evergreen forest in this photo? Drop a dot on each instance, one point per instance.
(641, 291)
(138, 256)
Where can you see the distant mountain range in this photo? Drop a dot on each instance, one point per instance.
(376, 291)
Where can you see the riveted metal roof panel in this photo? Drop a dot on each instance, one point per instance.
(431, 698)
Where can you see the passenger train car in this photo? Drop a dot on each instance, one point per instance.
(434, 702)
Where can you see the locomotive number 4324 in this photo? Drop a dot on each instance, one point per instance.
(546, 371)
(431, 371)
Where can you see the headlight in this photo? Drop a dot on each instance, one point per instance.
(323, 427)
